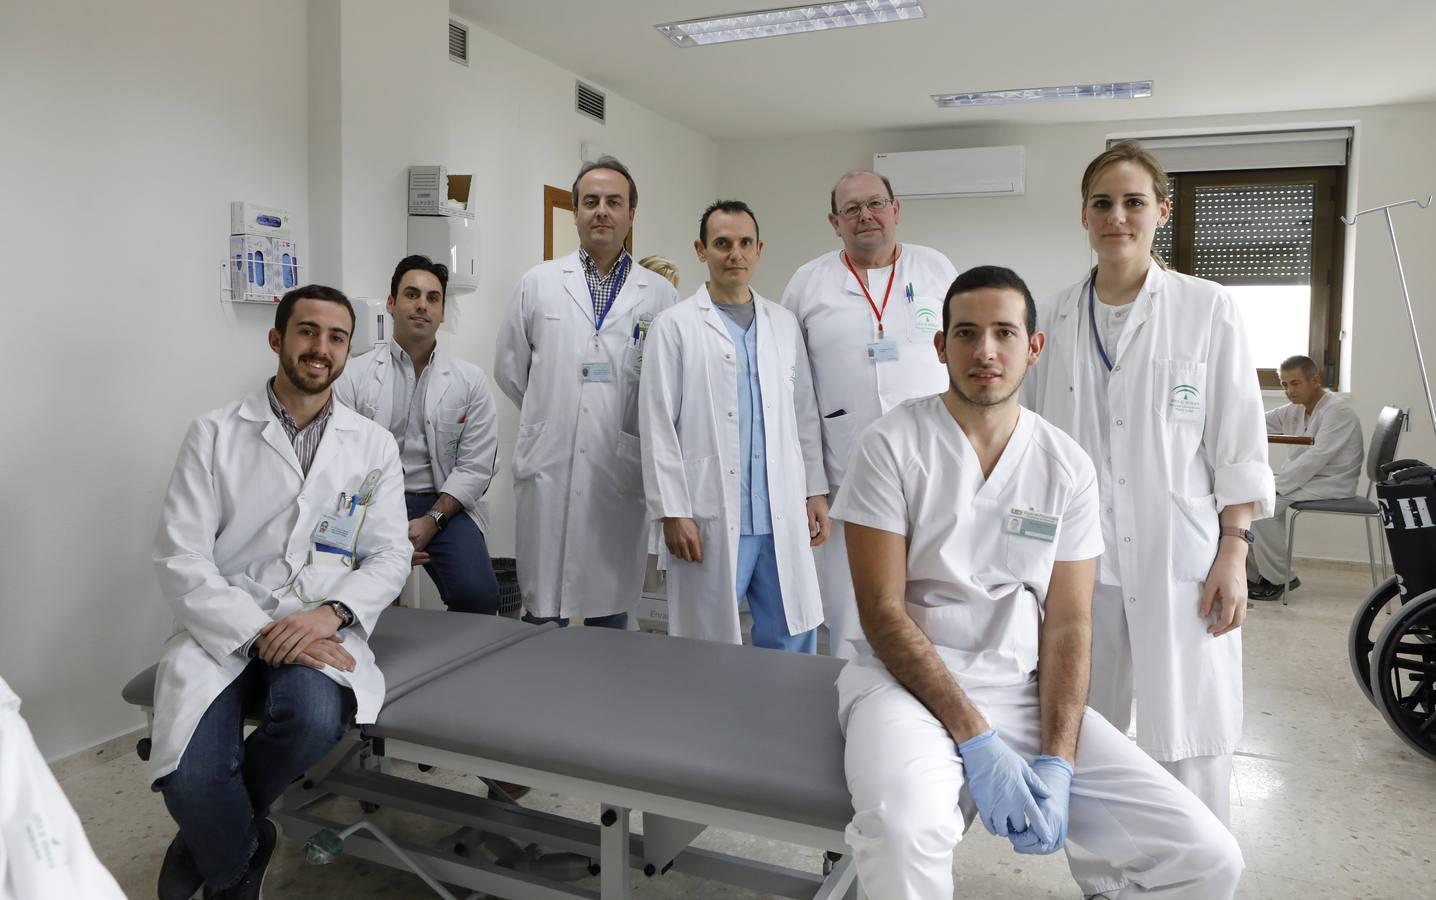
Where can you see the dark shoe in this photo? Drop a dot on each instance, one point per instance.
(1265, 590)
(179, 878)
(249, 886)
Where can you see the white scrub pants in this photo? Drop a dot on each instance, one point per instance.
(911, 808)
(835, 583)
(1268, 554)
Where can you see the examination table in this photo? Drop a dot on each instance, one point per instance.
(690, 733)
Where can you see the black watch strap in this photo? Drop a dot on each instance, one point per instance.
(346, 615)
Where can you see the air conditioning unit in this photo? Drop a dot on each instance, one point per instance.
(967, 172)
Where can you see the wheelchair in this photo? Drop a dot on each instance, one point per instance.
(1393, 656)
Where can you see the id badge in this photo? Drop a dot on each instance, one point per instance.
(596, 372)
(1032, 524)
(882, 351)
(337, 533)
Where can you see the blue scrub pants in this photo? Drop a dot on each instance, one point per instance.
(458, 561)
(758, 584)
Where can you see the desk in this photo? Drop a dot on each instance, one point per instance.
(1289, 439)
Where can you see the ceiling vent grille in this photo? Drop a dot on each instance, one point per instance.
(589, 100)
(458, 42)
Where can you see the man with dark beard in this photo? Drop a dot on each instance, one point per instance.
(275, 588)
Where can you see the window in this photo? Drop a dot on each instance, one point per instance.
(1272, 237)
(1259, 212)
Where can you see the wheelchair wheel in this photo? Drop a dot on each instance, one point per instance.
(1365, 627)
(1403, 673)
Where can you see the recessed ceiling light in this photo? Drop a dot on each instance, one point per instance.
(1115, 90)
(790, 20)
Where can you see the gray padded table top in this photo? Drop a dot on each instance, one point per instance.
(410, 645)
(735, 727)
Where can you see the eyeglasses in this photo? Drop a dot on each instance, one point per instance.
(874, 206)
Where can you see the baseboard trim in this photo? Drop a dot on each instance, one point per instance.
(97, 755)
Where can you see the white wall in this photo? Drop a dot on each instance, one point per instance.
(128, 130)
(1039, 234)
(130, 127)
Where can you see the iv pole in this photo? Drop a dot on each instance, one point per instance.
(1401, 273)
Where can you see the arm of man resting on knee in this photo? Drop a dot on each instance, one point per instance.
(1002, 785)
(1064, 670)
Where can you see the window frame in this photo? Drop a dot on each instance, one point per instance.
(1327, 249)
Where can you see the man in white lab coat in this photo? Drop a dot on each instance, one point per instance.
(281, 540)
(569, 354)
(868, 314)
(439, 409)
(1327, 470)
(974, 531)
(732, 457)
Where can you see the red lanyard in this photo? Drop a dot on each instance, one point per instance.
(863, 283)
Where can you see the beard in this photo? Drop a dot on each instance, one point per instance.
(990, 395)
(305, 380)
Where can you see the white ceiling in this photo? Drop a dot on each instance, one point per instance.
(1206, 57)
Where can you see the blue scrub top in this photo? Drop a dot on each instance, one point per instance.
(752, 441)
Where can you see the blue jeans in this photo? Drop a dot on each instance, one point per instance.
(224, 780)
(758, 583)
(458, 561)
(617, 620)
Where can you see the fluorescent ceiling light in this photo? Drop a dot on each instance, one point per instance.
(792, 20)
(1117, 90)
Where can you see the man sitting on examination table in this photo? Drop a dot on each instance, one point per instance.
(271, 613)
(973, 535)
(1327, 470)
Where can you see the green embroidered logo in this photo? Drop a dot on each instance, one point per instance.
(1184, 392)
(1185, 400)
(926, 319)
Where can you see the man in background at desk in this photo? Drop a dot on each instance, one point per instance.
(1327, 470)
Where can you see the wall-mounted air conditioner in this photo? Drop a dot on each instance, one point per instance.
(968, 172)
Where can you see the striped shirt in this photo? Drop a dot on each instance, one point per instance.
(306, 439)
(603, 289)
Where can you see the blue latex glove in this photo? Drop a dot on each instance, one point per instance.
(1004, 787)
(1056, 773)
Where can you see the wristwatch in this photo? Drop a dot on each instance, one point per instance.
(1233, 531)
(346, 615)
(440, 520)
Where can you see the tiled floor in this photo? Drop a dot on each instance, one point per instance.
(1327, 802)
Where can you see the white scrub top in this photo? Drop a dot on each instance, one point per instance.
(974, 587)
(1331, 467)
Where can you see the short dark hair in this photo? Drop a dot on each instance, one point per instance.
(607, 162)
(833, 194)
(1304, 364)
(732, 207)
(980, 277)
(285, 309)
(422, 263)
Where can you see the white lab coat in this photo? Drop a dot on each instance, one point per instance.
(838, 325)
(689, 416)
(1187, 438)
(461, 423)
(582, 532)
(43, 849)
(234, 538)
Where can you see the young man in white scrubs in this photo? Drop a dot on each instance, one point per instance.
(732, 458)
(1327, 470)
(973, 534)
(868, 314)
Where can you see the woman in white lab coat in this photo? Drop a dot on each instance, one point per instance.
(691, 458)
(1151, 372)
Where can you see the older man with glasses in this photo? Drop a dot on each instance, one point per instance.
(868, 313)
